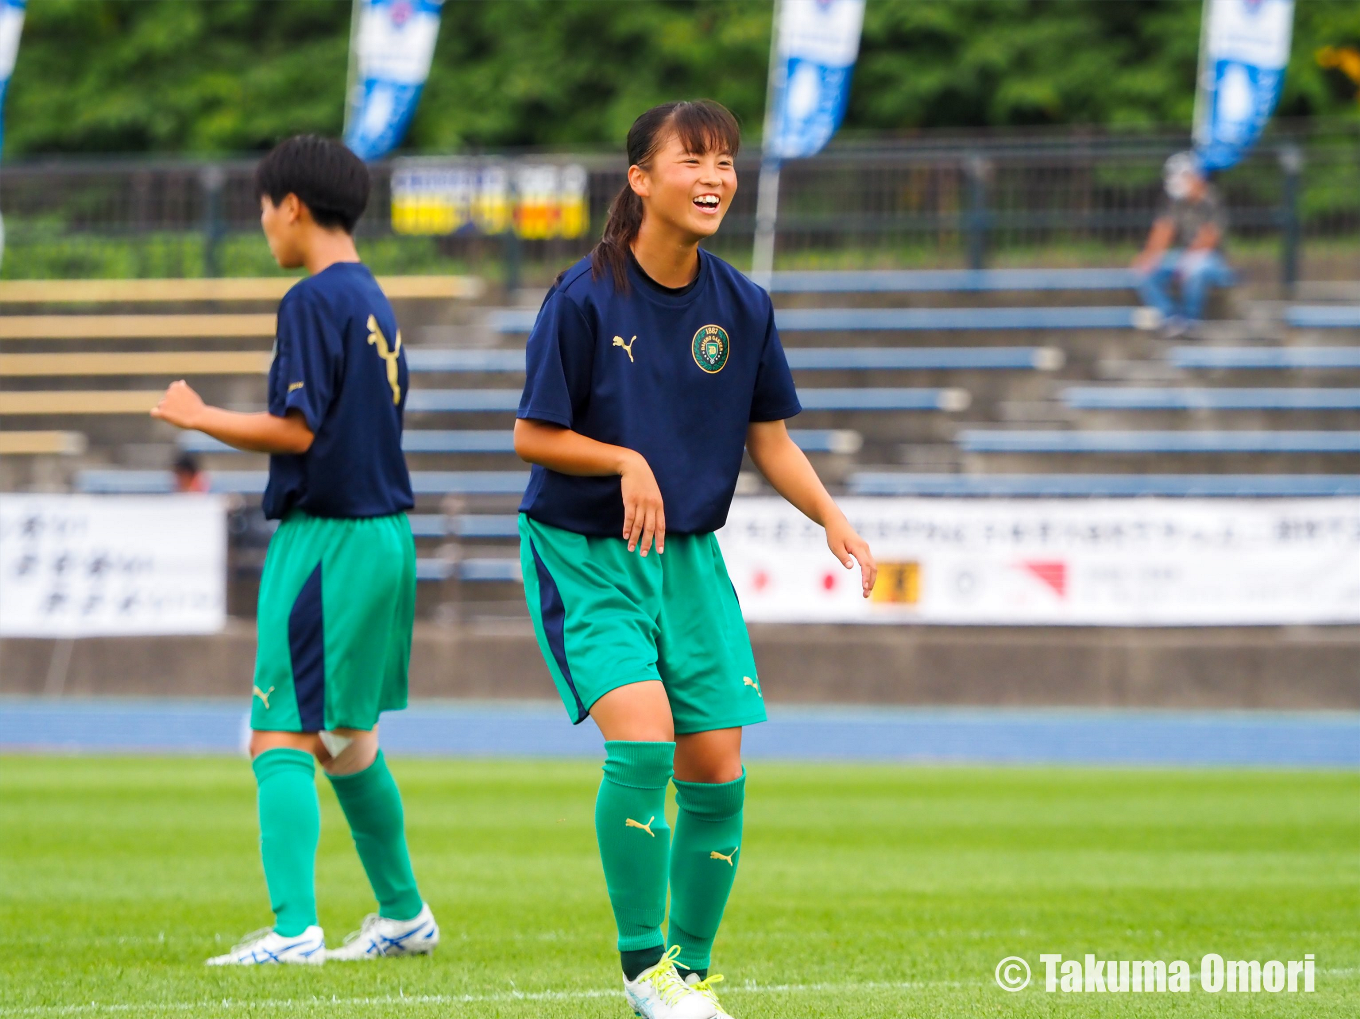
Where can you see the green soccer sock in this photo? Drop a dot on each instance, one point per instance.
(630, 823)
(290, 827)
(704, 862)
(372, 805)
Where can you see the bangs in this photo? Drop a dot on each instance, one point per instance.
(704, 126)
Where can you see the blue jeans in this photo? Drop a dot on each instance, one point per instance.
(1201, 271)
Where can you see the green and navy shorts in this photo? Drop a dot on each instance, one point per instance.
(337, 605)
(606, 617)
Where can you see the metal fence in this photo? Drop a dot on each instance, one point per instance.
(931, 200)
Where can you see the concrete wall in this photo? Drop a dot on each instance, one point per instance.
(1298, 668)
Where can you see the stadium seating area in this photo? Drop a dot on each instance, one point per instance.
(1043, 382)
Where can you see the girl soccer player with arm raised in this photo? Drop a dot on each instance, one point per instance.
(650, 367)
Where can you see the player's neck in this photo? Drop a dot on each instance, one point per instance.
(326, 247)
(669, 259)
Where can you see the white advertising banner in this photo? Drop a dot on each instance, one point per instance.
(1106, 562)
(82, 566)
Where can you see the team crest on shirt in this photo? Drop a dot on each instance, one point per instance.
(710, 348)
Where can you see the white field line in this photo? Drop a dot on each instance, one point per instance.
(420, 1000)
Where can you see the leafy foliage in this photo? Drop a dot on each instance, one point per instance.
(213, 76)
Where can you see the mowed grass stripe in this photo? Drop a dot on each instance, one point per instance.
(865, 891)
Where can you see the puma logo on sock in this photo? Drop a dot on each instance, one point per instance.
(715, 855)
(628, 822)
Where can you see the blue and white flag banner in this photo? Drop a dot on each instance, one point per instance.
(1246, 50)
(11, 24)
(817, 45)
(395, 45)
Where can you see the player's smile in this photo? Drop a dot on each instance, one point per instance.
(708, 203)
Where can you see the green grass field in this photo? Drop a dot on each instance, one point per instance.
(864, 891)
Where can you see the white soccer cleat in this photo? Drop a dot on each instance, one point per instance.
(380, 937)
(659, 993)
(705, 987)
(268, 946)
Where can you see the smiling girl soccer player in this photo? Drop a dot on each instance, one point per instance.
(337, 599)
(652, 363)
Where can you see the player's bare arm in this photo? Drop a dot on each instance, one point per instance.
(568, 452)
(786, 467)
(255, 433)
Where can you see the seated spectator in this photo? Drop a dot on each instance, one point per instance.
(1183, 246)
(189, 476)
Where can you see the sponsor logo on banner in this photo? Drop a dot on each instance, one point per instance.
(539, 201)
(1111, 562)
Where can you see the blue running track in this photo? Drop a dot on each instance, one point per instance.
(964, 735)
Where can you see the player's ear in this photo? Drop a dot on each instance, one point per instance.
(292, 208)
(639, 181)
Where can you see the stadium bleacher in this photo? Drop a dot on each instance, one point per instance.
(833, 320)
(1025, 486)
(898, 400)
(1200, 398)
(1323, 316)
(918, 281)
(1264, 357)
(981, 440)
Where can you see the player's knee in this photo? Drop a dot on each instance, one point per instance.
(350, 750)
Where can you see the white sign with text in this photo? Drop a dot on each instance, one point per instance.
(1111, 562)
(81, 565)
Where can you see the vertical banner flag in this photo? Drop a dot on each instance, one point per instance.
(812, 52)
(1243, 55)
(11, 24)
(392, 47)
(818, 41)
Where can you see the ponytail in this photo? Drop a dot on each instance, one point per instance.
(702, 126)
(620, 230)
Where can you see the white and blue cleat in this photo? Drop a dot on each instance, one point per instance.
(660, 993)
(380, 937)
(268, 946)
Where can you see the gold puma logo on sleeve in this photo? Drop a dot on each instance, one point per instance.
(627, 347)
(628, 822)
(377, 339)
(748, 681)
(715, 855)
(264, 695)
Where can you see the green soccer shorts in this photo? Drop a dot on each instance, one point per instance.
(606, 617)
(337, 604)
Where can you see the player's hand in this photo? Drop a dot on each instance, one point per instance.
(847, 546)
(644, 517)
(180, 406)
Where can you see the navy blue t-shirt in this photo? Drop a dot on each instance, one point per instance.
(338, 359)
(675, 375)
